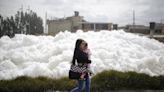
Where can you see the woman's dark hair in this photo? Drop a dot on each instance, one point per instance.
(76, 50)
(86, 44)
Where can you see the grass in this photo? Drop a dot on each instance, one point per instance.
(106, 80)
(114, 80)
(39, 84)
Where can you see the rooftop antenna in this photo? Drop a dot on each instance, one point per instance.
(22, 7)
(161, 21)
(64, 15)
(28, 9)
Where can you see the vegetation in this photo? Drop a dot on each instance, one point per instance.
(106, 80)
(23, 22)
(114, 80)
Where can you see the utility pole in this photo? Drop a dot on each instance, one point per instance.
(21, 21)
(29, 19)
(45, 30)
(133, 20)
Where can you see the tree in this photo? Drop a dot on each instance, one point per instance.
(36, 23)
(1, 27)
(23, 23)
(29, 22)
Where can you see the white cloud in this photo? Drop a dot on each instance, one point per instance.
(116, 11)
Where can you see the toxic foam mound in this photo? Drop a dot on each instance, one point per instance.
(50, 56)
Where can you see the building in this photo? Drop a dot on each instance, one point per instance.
(155, 30)
(96, 26)
(158, 29)
(158, 32)
(74, 23)
(69, 23)
(137, 29)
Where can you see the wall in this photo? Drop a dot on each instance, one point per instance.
(55, 27)
(70, 24)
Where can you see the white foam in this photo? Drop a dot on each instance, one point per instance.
(51, 56)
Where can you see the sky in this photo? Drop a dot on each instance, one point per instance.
(115, 11)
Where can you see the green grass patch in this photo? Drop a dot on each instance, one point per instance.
(106, 80)
(39, 84)
(114, 80)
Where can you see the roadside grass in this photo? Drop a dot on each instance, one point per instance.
(106, 80)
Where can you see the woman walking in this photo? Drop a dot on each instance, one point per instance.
(81, 58)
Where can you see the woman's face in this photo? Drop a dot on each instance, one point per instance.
(82, 45)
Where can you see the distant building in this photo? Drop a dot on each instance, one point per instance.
(155, 31)
(73, 23)
(96, 26)
(159, 29)
(158, 32)
(137, 29)
(69, 23)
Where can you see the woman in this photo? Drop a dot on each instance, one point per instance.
(82, 60)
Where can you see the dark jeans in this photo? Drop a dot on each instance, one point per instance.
(81, 84)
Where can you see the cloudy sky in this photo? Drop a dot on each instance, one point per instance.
(115, 11)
